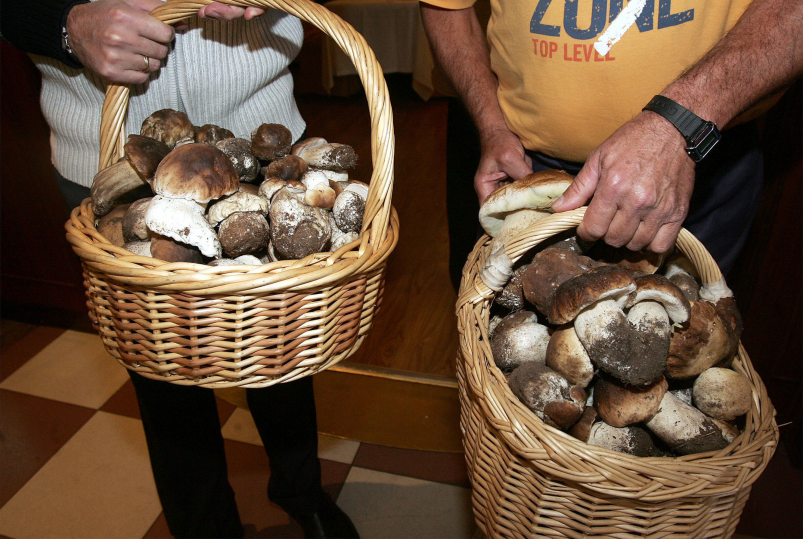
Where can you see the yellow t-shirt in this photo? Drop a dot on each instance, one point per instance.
(559, 95)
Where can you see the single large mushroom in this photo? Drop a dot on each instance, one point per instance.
(567, 355)
(517, 339)
(186, 180)
(548, 270)
(620, 405)
(700, 343)
(685, 428)
(238, 150)
(327, 155)
(297, 230)
(515, 206)
(271, 141)
(723, 394)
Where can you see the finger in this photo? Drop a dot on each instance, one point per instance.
(253, 12)
(643, 236)
(596, 220)
(621, 230)
(517, 169)
(665, 238)
(581, 190)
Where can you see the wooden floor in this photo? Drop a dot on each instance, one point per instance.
(415, 330)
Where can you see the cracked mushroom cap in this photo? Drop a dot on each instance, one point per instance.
(196, 171)
(535, 193)
(168, 126)
(548, 394)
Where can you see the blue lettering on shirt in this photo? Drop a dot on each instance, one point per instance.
(599, 9)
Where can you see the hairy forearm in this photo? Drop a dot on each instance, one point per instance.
(461, 50)
(760, 55)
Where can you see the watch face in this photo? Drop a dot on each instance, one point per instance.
(703, 141)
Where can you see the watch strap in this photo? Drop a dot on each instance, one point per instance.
(701, 135)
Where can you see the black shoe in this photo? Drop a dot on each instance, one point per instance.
(329, 522)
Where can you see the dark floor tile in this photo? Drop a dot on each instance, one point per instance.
(123, 402)
(15, 355)
(12, 331)
(333, 475)
(428, 465)
(159, 530)
(33, 429)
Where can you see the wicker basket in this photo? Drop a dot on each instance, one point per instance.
(531, 480)
(245, 326)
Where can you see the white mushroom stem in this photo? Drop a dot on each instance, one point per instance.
(713, 292)
(497, 270)
(516, 222)
(184, 221)
(651, 317)
(685, 428)
(111, 183)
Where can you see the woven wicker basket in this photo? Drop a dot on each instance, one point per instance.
(531, 480)
(247, 326)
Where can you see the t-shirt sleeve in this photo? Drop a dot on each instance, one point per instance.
(451, 4)
(35, 27)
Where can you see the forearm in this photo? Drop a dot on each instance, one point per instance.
(760, 55)
(461, 50)
(35, 27)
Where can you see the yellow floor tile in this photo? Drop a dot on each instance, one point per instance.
(74, 368)
(98, 486)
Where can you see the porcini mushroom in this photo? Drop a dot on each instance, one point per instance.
(548, 270)
(271, 141)
(244, 232)
(168, 126)
(238, 150)
(548, 394)
(620, 405)
(329, 156)
(290, 167)
(240, 201)
(518, 339)
(684, 428)
(134, 226)
(515, 206)
(723, 394)
(348, 210)
(297, 230)
(212, 134)
(567, 355)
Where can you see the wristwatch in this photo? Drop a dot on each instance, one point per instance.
(701, 135)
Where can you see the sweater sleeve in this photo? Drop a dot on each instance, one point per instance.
(35, 27)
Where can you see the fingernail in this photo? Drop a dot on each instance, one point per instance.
(558, 202)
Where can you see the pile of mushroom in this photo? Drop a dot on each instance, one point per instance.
(623, 350)
(184, 193)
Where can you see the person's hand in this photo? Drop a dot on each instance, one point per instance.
(118, 39)
(641, 180)
(225, 12)
(503, 160)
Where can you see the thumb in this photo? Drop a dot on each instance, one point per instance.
(580, 191)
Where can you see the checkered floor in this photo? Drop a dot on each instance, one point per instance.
(74, 461)
(80, 466)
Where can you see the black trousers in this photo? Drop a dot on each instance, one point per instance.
(186, 449)
(726, 194)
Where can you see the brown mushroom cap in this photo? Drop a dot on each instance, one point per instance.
(134, 227)
(197, 172)
(297, 230)
(699, 344)
(722, 393)
(654, 287)
(168, 126)
(512, 296)
(632, 439)
(169, 250)
(271, 141)
(548, 394)
(289, 167)
(619, 405)
(212, 134)
(244, 233)
(145, 154)
(549, 269)
(110, 225)
(579, 292)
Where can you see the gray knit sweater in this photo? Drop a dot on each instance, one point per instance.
(231, 74)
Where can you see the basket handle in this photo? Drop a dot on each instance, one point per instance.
(378, 207)
(560, 222)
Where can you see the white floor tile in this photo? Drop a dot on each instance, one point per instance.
(240, 427)
(387, 506)
(75, 368)
(98, 485)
